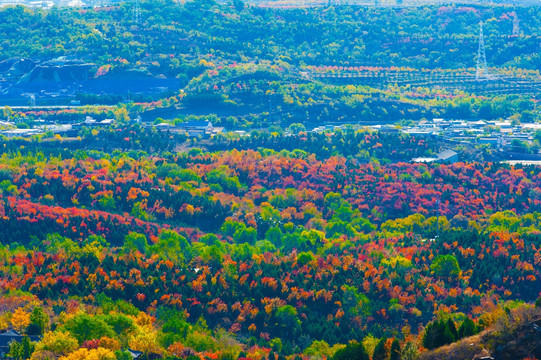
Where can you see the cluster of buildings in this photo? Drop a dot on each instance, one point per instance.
(194, 128)
(190, 128)
(499, 134)
(47, 4)
(42, 126)
(505, 136)
(509, 138)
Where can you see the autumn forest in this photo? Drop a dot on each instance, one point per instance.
(265, 204)
(260, 253)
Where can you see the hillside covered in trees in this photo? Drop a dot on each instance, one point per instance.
(263, 254)
(428, 37)
(263, 66)
(129, 238)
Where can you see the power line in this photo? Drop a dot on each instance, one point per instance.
(482, 69)
(136, 12)
(516, 24)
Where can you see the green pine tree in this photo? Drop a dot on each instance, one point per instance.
(452, 328)
(380, 353)
(38, 322)
(27, 348)
(396, 353)
(467, 328)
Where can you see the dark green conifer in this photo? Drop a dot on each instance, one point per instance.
(452, 328)
(352, 351)
(467, 328)
(396, 353)
(380, 353)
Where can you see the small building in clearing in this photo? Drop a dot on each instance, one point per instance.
(447, 156)
(198, 125)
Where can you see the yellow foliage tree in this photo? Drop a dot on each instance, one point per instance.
(143, 319)
(60, 343)
(42, 355)
(369, 343)
(20, 319)
(108, 343)
(4, 322)
(145, 339)
(92, 354)
(121, 114)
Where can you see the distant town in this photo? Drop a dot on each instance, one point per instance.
(506, 138)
